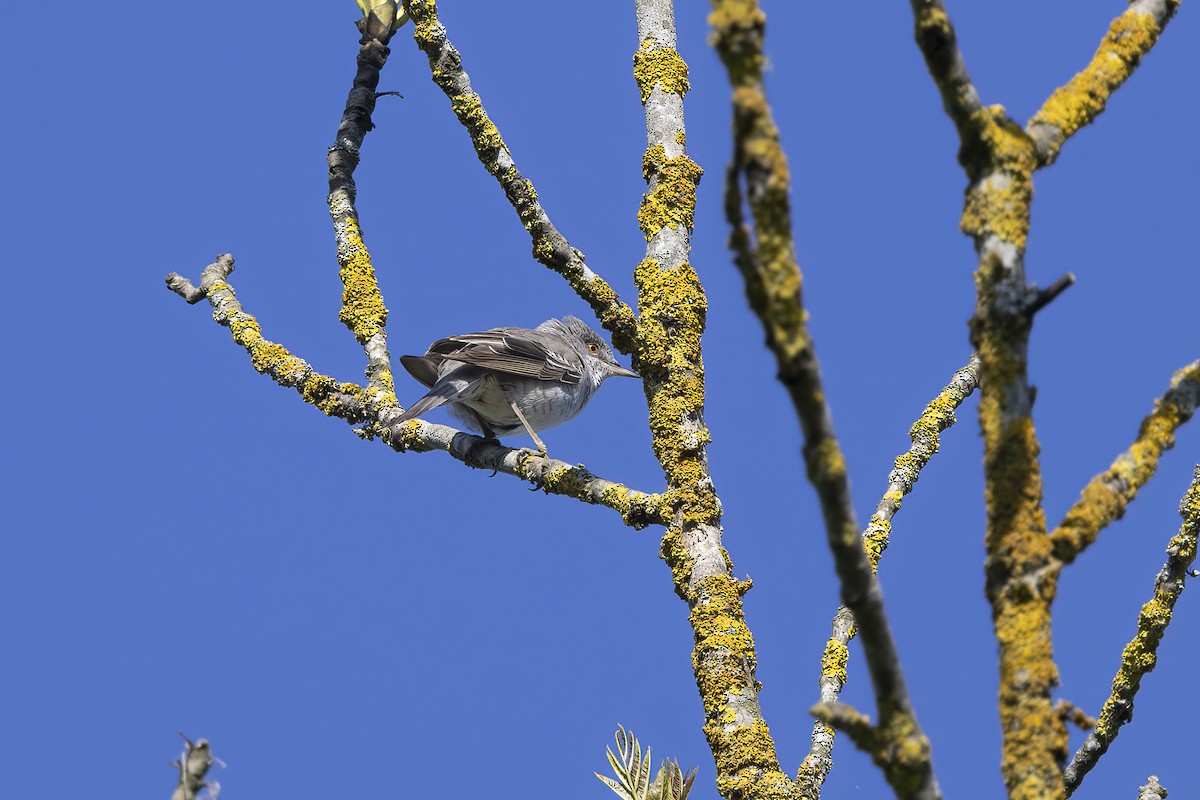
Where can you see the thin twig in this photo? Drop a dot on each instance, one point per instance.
(1141, 654)
(193, 764)
(363, 310)
(1153, 790)
(1044, 297)
(1108, 494)
(937, 417)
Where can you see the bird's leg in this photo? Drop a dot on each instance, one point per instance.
(488, 433)
(541, 446)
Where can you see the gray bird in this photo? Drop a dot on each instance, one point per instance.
(505, 379)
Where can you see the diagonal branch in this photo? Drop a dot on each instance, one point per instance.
(767, 260)
(766, 256)
(1141, 653)
(1107, 495)
(937, 417)
(939, 45)
(363, 311)
(356, 404)
(1071, 107)
(549, 246)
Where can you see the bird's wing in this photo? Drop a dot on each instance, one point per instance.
(515, 351)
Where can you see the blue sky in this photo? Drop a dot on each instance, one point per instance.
(187, 546)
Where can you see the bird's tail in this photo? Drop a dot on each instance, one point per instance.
(437, 396)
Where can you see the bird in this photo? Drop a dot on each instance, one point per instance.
(503, 380)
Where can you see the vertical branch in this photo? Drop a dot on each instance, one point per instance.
(1022, 575)
(672, 319)
(363, 311)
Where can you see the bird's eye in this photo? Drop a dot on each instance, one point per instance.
(593, 348)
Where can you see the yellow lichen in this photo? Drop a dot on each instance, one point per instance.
(834, 660)
(363, 311)
(659, 65)
(737, 35)
(1075, 105)
(672, 202)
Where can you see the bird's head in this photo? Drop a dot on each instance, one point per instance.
(596, 354)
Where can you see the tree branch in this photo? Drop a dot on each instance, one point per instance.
(363, 310)
(1107, 495)
(549, 246)
(937, 417)
(1141, 654)
(939, 45)
(668, 356)
(766, 256)
(890, 746)
(1071, 107)
(356, 404)
(1152, 790)
(193, 764)
(1022, 577)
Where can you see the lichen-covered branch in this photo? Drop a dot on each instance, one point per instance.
(371, 407)
(893, 747)
(346, 401)
(1107, 495)
(193, 765)
(766, 255)
(937, 417)
(1071, 107)
(363, 311)
(999, 157)
(549, 246)
(1022, 576)
(1141, 654)
(672, 319)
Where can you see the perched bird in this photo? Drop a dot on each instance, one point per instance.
(505, 379)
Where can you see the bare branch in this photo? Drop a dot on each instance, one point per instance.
(1107, 495)
(356, 404)
(1141, 654)
(1152, 790)
(193, 764)
(1044, 297)
(549, 246)
(939, 45)
(1071, 107)
(1069, 712)
(937, 417)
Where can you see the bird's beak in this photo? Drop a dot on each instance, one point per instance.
(624, 373)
